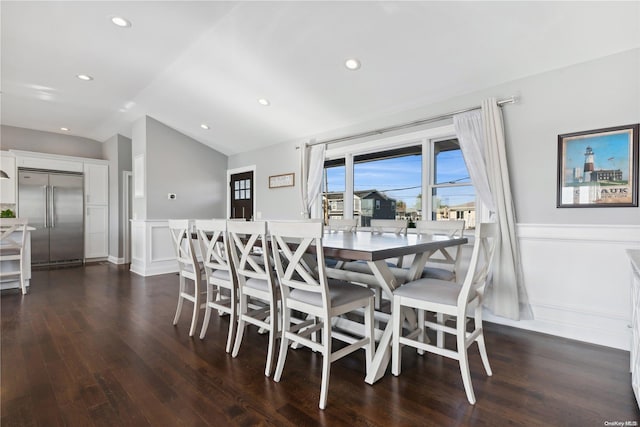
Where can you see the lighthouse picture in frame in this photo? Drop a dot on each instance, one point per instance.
(598, 168)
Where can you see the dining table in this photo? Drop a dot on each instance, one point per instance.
(376, 250)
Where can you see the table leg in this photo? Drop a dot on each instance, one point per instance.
(388, 282)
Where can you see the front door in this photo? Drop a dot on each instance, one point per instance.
(242, 195)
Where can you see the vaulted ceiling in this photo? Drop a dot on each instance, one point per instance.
(192, 63)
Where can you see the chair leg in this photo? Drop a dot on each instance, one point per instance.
(440, 320)
(396, 315)
(233, 320)
(241, 325)
(422, 329)
(326, 363)
(464, 360)
(369, 350)
(273, 320)
(284, 345)
(477, 323)
(196, 309)
(207, 311)
(23, 283)
(180, 301)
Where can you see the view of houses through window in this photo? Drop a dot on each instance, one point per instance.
(388, 185)
(453, 196)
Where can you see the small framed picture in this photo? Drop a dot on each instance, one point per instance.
(284, 180)
(598, 168)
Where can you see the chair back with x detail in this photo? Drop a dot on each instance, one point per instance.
(189, 270)
(395, 226)
(445, 262)
(221, 284)
(342, 224)
(449, 299)
(257, 287)
(299, 260)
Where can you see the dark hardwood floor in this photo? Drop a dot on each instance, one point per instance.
(95, 345)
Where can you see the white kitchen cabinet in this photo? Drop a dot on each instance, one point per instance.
(96, 184)
(96, 236)
(96, 207)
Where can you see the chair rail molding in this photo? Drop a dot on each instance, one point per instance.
(577, 279)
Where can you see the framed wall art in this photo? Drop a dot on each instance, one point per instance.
(598, 168)
(284, 180)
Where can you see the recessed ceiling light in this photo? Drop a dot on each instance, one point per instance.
(204, 126)
(65, 129)
(352, 64)
(264, 101)
(84, 77)
(120, 21)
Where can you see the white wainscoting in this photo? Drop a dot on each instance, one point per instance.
(152, 252)
(577, 278)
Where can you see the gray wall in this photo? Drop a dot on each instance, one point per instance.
(273, 203)
(176, 163)
(15, 138)
(117, 150)
(600, 93)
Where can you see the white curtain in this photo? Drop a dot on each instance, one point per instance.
(311, 169)
(481, 136)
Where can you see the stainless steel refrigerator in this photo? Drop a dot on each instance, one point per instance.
(54, 204)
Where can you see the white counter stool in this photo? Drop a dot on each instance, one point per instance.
(445, 262)
(188, 269)
(12, 249)
(308, 290)
(221, 282)
(258, 292)
(441, 296)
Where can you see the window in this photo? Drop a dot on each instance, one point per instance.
(242, 190)
(386, 185)
(453, 195)
(333, 186)
(390, 176)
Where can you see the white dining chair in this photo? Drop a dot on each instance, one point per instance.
(444, 263)
(12, 249)
(395, 226)
(305, 288)
(220, 279)
(380, 226)
(340, 225)
(335, 225)
(441, 296)
(189, 270)
(258, 292)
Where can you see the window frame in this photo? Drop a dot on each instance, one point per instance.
(345, 153)
(432, 185)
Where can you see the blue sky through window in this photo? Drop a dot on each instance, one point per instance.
(400, 177)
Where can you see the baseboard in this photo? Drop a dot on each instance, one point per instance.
(153, 269)
(581, 325)
(115, 260)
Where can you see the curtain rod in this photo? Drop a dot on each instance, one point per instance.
(501, 102)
